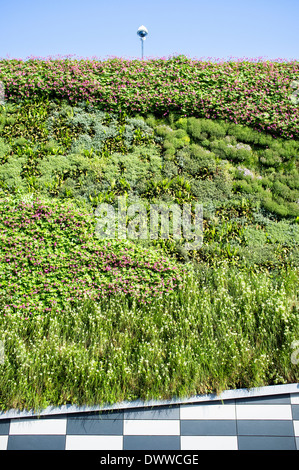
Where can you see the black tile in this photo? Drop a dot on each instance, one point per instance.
(59, 416)
(78, 426)
(204, 427)
(266, 400)
(253, 427)
(4, 427)
(266, 443)
(39, 417)
(159, 412)
(295, 411)
(30, 442)
(97, 415)
(230, 401)
(151, 443)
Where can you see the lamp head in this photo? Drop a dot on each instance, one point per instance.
(142, 32)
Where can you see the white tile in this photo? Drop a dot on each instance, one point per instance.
(209, 443)
(94, 442)
(152, 427)
(295, 399)
(208, 411)
(296, 427)
(3, 442)
(38, 426)
(264, 412)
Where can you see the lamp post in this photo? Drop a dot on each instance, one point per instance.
(142, 33)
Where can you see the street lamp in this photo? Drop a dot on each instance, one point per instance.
(142, 33)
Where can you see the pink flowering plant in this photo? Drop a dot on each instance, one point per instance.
(50, 257)
(252, 92)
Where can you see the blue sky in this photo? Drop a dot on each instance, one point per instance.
(200, 29)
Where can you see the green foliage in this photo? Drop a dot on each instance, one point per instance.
(260, 155)
(98, 131)
(210, 191)
(176, 139)
(10, 174)
(254, 237)
(283, 232)
(142, 164)
(4, 150)
(177, 190)
(273, 232)
(51, 262)
(275, 208)
(25, 120)
(199, 129)
(58, 168)
(91, 156)
(50, 255)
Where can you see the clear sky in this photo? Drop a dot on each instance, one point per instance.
(199, 29)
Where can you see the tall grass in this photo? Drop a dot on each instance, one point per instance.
(224, 329)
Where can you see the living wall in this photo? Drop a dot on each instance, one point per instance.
(146, 314)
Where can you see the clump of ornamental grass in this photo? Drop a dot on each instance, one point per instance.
(224, 329)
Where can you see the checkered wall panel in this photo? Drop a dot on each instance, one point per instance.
(257, 423)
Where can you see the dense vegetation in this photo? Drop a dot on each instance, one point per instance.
(106, 320)
(246, 92)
